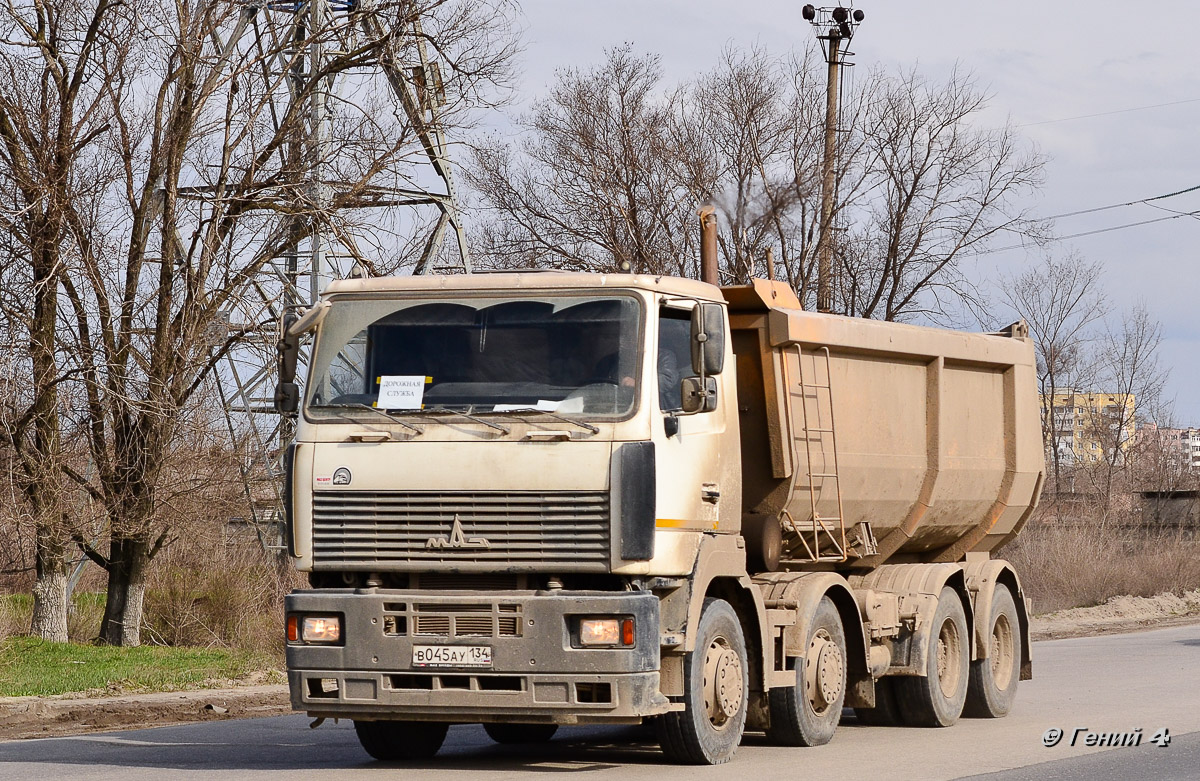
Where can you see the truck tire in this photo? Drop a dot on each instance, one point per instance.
(886, 712)
(708, 730)
(807, 713)
(937, 698)
(992, 686)
(392, 741)
(520, 733)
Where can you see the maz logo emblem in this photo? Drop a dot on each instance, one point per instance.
(457, 539)
(342, 476)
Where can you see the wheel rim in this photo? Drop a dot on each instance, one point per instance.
(723, 688)
(823, 666)
(1003, 652)
(949, 659)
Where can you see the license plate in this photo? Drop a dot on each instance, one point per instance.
(452, 656)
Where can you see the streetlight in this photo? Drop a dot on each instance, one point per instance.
(833, 26)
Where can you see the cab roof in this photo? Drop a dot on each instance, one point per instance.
(524, 280)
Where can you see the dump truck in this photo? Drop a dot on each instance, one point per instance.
(532, 499)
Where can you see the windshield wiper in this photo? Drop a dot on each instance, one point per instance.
(376, 410)
(554, 415)
(448, 411)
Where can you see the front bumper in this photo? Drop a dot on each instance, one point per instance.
(536, 674)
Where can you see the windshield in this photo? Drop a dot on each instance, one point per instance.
(566, 354)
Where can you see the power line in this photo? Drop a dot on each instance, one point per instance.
(1128, 225)
(1109, 113)
(1109, 229)
(1121, 205)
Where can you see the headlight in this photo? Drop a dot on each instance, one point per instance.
(599, 631)
(321, 629)
(606, 631)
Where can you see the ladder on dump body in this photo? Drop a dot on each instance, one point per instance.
(825, 540)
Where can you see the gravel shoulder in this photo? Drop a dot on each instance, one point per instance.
(35, 717)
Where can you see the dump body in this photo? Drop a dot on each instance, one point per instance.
(932, 435)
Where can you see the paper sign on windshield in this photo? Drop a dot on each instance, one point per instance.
(401, 392)
(543, 405)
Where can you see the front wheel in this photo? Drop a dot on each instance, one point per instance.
(708, 730)
(936, 699)
(520, 733)
(993, 681)
(393, 741)
(807, 713)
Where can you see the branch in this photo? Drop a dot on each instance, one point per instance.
(91, 552)
(83, 482)
(157, 546)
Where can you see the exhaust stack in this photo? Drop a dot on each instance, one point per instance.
(708, 245)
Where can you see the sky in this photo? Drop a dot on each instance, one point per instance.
(1042, 63)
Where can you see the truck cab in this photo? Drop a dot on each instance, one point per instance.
(494, 481)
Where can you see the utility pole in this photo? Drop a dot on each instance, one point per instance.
(828, 178)
(833, 26)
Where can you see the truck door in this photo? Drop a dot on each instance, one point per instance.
(689, 460)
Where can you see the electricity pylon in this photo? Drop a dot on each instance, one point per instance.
(303, 37)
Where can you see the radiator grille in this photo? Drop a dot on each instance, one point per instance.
(529, 531)
(484, 619)
(480, 626)
(433, 625)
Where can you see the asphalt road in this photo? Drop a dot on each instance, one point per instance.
(1119, 683)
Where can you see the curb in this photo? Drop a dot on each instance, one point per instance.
(32, 717)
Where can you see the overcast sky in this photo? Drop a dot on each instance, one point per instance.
(1041, 62)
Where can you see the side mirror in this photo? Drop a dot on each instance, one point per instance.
(699, 394)
(708, 339)
(287, 398)
(287, 392)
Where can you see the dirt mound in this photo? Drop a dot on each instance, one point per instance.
(1119, 614)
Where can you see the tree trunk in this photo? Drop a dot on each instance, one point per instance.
(127, 562)
(50, 589)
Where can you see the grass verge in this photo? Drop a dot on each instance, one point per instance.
(29, 666)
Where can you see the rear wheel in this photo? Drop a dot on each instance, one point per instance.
(886, 712)
(807, 713)
(992, 686)
(520, 733)
(936, 699)
(708, 730)
(392, 741)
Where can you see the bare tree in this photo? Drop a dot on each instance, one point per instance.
(747, 136)
(51, 115)
(193, 183)
(940, 189)
(1131, 375)
(598, 183)
(613, 167)
(590, 187)
(1061, 300)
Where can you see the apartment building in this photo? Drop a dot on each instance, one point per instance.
(1181, 446)
(1089, 426)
